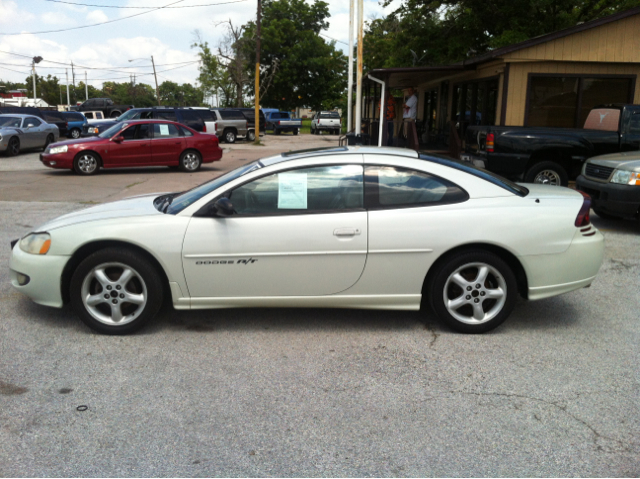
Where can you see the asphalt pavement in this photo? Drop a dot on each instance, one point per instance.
(312, 392)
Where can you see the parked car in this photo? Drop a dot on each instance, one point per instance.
(135, 143)
(250, 115)
(201, 120)
(50, 116)
(553, 155)
(372, 228)
(613, 182)
(75, 123)
(93, 116)
(21, 132)
(231, 124)
(326, 121)
(105, 105)
(280, 121)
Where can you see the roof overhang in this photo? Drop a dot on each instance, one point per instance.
(413, 76)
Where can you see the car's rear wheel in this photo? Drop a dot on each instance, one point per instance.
(295, 132)
(13, 148)
(190, 161)
(230, 136)
(48, 141)
(251, 135)
(115, 291)
(473, 292)
(278, 132)
(547, 173)
(86, 163)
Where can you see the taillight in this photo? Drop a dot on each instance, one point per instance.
(583, 215)
(278, 123)
(204, 129)
(490, 142)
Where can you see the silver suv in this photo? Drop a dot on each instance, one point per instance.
(230, 124)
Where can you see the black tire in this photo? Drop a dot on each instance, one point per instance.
(86, 163)
(548, 173)
(48, 141)
(13, 148)
(144, 283)
(606, 216)
(190, 161)
(251, 135)
(295, 132)
(229, 135)
(499, 281)
(74, 133)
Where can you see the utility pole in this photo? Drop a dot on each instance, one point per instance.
(350, 91)
(86, 86)
(358, 111)
(257, 86)
(33, 71)
(73, 80)
(156, 77)
(66, 72)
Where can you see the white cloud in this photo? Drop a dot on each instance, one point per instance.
(97, 16)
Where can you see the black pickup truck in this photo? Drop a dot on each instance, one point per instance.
(553, 155)
(105, 105)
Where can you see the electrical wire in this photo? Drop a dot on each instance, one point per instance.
(11, 70)
(334, 39)
(141, 8)
(95, 24)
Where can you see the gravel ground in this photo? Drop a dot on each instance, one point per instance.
(311, 392)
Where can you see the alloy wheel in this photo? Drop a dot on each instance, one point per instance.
(87, 164)
(548, 177)
(114, 294)
(475, 293)
(191, 161)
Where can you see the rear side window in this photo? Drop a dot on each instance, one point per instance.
(161, 130)
(165, 115)
(189, 115)
(73, 116)
(185, 132)
(331, 114)
(231, 115)
(205, 115)
(392, 187)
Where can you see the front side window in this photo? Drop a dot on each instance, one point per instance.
(391, 187)
(109, 132)
(32, 122)
(161, 131)
(305, 190)
(136, 132)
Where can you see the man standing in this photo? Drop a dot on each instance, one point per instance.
(410, 109)
(389, 116)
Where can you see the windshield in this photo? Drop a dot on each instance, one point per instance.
(333, 114)
(10, 121)
(129, 115)
(108, 133)
(189, 197)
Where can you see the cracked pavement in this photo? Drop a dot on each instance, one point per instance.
(313, 392)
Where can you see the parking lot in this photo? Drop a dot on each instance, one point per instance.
(311, 392)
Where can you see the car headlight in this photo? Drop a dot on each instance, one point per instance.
(36, 243)
(58, 149)
(625, 177)
(93, 130)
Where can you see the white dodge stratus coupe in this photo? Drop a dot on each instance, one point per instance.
(377, 228)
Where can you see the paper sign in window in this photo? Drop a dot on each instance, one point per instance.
(292, 191)
(164, 130)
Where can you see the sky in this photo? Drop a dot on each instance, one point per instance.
(104, 51)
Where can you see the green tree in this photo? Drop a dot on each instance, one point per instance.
(298, 67)
(47, 88)
(214, 77)
(172, 94)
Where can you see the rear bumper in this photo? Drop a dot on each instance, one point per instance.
(575, 268)
(617, 200)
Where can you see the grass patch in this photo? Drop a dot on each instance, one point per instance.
(134, 184)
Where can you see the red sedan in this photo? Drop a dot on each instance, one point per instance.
(135, 143)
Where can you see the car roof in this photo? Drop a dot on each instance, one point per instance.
(343, 150)
(19, 115)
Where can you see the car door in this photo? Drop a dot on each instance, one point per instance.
(133, 150)
(35, 132)
(167, 144)
(298, 232)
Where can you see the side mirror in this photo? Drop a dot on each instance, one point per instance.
(223, 207)
(27, 127)
(119, 139)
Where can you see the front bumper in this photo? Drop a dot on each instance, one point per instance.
(44, 272)
(612, 198)
(61, 160)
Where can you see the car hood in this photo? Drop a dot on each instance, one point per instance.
(103, 123)
(91, 139)
(629, 160)
(136, 206)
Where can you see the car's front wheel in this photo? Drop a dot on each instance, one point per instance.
(48, 141)
(115, 291)
(75, 133)
(473, 292)
(86, 164)
(13, 148)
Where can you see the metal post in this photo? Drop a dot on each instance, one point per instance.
(156, 77)
(66, 72)
(257, 85)
(86, 86)
(383, 107)
(358, 110)
(33, 69)
(350, 84)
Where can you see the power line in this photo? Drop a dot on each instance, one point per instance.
(11, 70)
(140, 8)
(334, 39)
(95, 24)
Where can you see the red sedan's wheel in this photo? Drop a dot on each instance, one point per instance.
(190, 161)
(86, 163)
